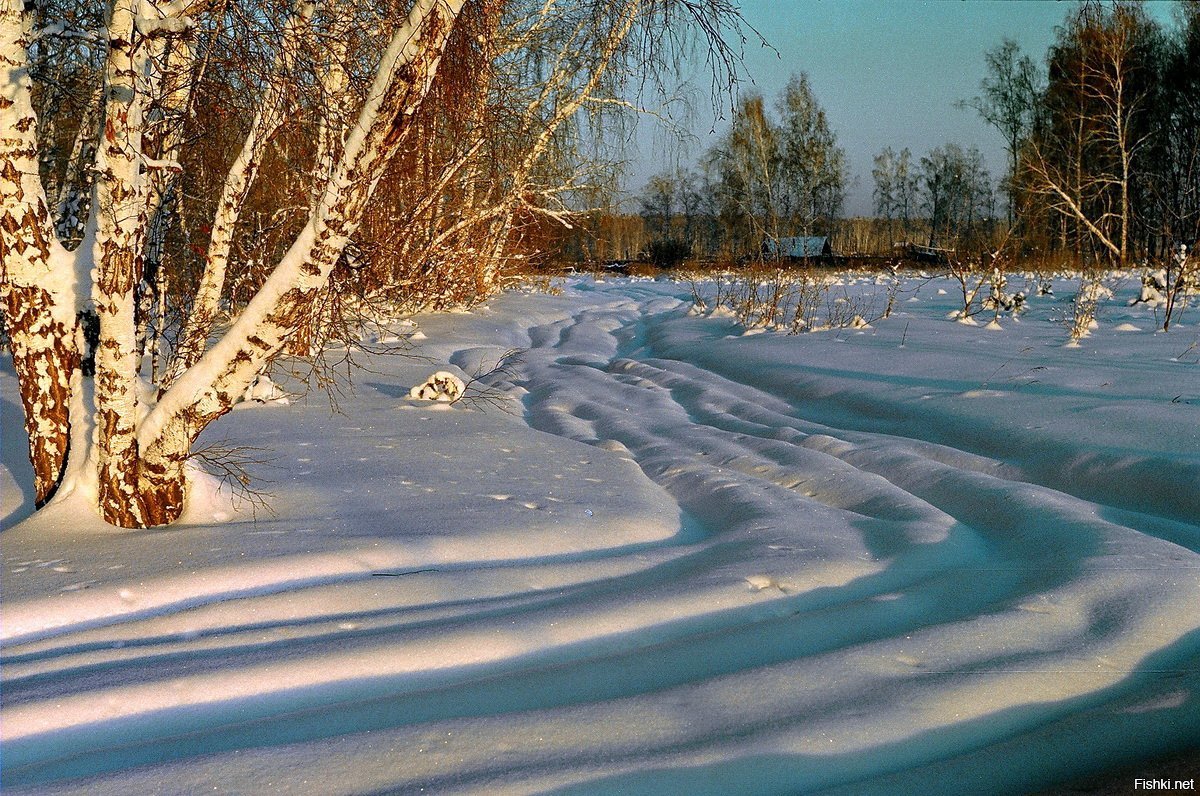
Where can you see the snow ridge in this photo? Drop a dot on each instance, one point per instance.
(689, 561)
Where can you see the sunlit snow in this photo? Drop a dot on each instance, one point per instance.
(647, 553)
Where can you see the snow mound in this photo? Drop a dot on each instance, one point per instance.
(441, 386)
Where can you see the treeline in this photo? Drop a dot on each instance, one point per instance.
(1103, 145)
(779, 174)
(606, 237)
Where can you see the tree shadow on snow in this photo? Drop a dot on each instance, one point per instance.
(14, 457)
(1016, 750)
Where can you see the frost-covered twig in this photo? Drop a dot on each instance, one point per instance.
(1182, 280)
(964, 272)
(1092, 292)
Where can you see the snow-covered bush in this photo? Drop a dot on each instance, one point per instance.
(850, 310)
(794, 301)
(809, 296)
(970, 282)
(1154, 287)
(1169, 288)
(1000, 300)
(1083, 316)
(441, 386)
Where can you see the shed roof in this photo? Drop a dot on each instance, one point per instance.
(798, 247)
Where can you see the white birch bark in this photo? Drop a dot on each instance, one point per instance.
(335, 112)
(120, 208)
(210, 387)
(37, 276)
(270, 115)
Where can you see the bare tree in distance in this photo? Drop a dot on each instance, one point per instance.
(1081, 158)
(896, 189)
(1009, 102)
(956, 195)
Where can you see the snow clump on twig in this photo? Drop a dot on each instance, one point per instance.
(265, 391)
(441, 386)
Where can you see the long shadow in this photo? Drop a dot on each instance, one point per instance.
(1013, 751)
(645, 660)
(14, 456)
(690, 532)
(521, 603)
(390, 390)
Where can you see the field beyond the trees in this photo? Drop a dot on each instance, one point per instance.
(651, 551)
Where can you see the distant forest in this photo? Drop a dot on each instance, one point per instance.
(1103, 167)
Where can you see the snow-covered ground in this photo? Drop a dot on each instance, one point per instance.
(921, 557)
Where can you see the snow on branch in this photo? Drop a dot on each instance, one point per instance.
(60, 30)
(151, 26)
(164, 164)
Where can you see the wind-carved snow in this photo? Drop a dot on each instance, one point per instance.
(917, 558)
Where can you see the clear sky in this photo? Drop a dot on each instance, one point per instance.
(887, 73)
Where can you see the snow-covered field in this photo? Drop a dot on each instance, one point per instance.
(916, 558)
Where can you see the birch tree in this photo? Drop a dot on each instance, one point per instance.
(137, 463)
(896, 189)
(1082, 161)
(536, 142)
(956, 194)
(777, 178)
(344, 92)
(1008, 102)
(814, 166)
(750, 171)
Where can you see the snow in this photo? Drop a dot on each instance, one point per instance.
(664, 556)
(264, 390)
(441, 386)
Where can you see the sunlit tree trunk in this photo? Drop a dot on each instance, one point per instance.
(133, 466)
(142, 446)
(36, 273)
(206, 304)
(209, 388)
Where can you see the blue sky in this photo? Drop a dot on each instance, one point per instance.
(887, 74)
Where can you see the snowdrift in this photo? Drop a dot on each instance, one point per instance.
(649, 553)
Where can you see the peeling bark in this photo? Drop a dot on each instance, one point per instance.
(210, 387)
(240, 179)
(34, 290)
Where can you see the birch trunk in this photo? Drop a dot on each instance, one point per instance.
(36, 273)
(207, 302)
(72, 201)
(335, 115)
(121, 223)
(209, 389)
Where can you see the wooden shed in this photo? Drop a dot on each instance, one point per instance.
(798, 248)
